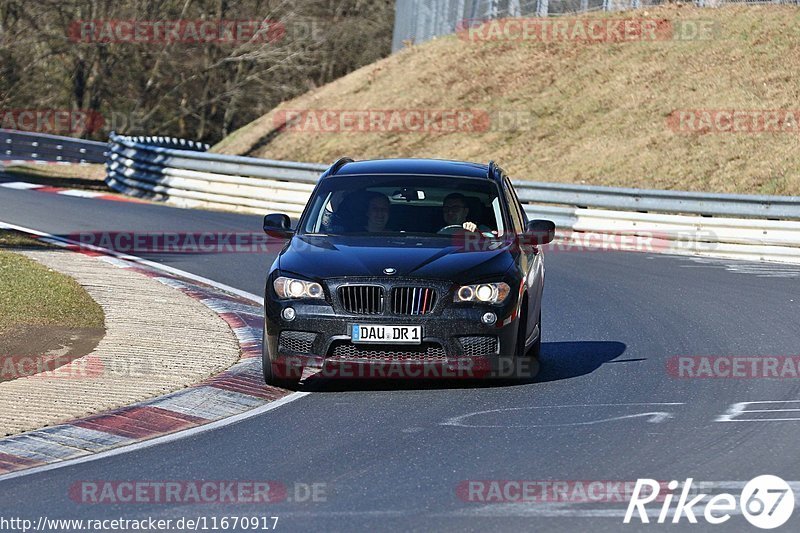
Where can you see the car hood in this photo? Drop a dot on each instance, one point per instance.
(433, 258)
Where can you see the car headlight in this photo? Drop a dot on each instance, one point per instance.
(297, 288)
(483, 292)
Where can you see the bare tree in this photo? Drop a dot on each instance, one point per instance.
(59, 54)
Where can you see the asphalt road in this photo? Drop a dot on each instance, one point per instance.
(391, 456)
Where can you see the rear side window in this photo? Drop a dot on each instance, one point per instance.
(513, 206)
(522, 212)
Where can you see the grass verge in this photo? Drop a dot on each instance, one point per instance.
(599, 111)
(43, 314)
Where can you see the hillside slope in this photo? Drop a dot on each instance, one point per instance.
(599, 112)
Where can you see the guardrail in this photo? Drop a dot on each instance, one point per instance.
(190, 177)
(40, 147)
(700, 203)
(739, 226)
(182, 173)
(726, 225)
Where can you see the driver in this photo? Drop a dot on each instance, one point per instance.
(455, 212)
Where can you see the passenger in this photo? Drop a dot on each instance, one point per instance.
(377, 212)
(350, 215)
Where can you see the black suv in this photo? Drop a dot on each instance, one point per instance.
(406, 268)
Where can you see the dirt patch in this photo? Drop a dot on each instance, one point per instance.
(47, 319)
(27, 350)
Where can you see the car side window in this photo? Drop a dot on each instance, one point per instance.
(319, 222)
(498, 215)
(513, 206)
(517, 203)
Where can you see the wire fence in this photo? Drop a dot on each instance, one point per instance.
(417, 21)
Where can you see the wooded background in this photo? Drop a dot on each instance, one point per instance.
(186, 89)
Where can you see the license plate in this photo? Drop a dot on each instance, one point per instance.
(379, 333)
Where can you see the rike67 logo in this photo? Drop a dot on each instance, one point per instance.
(766, 502)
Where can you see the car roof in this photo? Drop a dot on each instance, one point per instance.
(436, 167)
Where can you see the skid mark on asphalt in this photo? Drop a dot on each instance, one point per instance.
(581, 411)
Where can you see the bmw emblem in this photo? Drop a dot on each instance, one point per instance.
(389, 271)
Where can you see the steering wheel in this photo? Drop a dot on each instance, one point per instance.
(449, 230)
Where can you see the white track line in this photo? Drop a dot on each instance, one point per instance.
(172, 436)
(21, 185)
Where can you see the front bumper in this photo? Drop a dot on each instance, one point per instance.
(455, 342)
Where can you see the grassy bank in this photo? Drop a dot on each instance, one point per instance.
(598, 113)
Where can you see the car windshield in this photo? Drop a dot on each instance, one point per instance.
(415, 205)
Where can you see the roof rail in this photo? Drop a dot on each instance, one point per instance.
(339, 164)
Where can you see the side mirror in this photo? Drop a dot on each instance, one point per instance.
(540, 232)
(278, 225)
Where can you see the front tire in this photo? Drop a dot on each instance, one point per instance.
(527, 361)
(536, 350)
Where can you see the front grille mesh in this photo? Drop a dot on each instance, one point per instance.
(413, 300)
(477, 346)
(296, 341)
(362, 299)
(425, 352)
